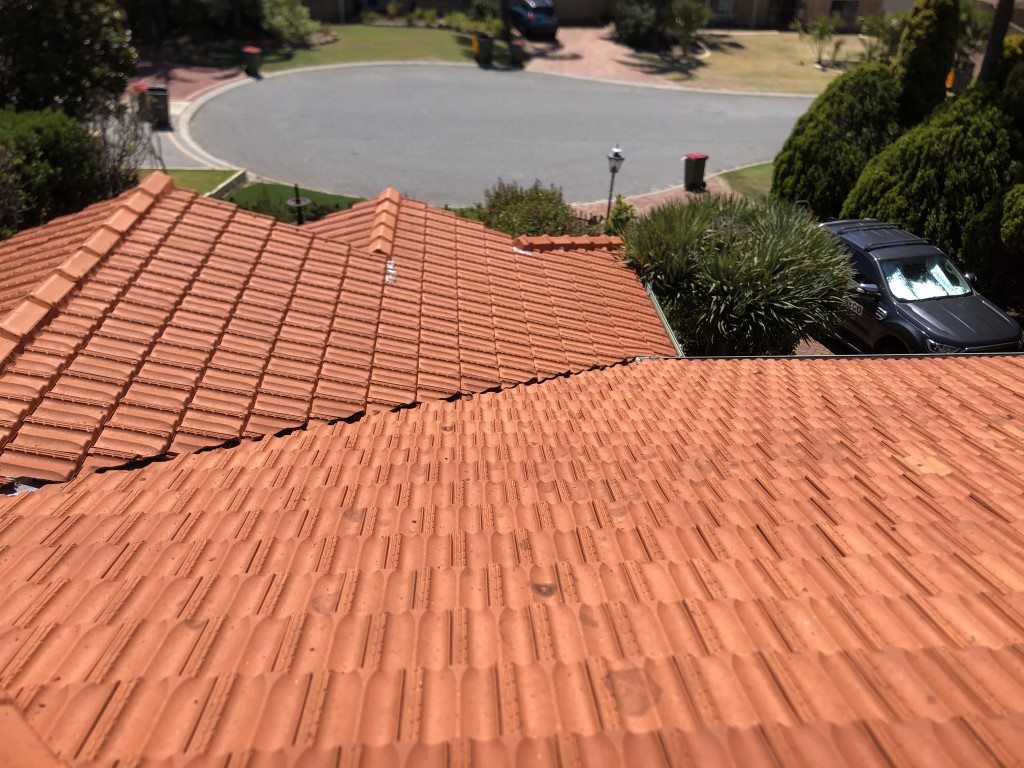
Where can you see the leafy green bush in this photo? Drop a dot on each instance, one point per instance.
(741, 277)
(849, 123)
(880, 35)
(1013, 54)
(424, 17)
(536, 210)
(636, 22)
(63, 54)
(925, 57)
(482, 10)
(622, 216)
(56, 163)
(939, 176)
(1011, 97)
(820, 32)
(686, 19)
(1012, 225)
(456, 20)
(288, 22)
(12, 196)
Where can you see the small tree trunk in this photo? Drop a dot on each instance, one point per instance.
(994, 49)
(158, 19)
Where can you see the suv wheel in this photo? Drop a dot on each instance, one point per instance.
(891, 347)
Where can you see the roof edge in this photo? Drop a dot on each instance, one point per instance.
(24, 318)
(385, 222)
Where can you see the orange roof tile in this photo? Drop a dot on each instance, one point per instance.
(166, 322)
(728, 563)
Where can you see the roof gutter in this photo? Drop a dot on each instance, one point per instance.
(664, 320)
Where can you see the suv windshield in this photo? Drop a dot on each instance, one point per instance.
(924, 277)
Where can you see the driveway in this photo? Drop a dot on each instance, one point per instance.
(444, 133)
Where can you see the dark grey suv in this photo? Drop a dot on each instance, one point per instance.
(909, 297)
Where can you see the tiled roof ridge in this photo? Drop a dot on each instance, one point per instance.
(385, 221)
(24, 318)
(566, 242)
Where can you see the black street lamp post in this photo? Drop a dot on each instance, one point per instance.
(615, 160)
(298, 203)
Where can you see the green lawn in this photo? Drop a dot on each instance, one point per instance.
(359, 42)
(278, 193)
(202, 181)
(750, 182)
(761, 62)
(269, 198)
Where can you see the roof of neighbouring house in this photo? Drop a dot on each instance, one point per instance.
(674, 562)
(163, 322)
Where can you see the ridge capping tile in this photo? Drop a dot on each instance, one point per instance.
(24, 319)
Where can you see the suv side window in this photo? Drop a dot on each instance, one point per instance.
(864, 270)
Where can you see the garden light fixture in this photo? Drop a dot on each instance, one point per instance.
(615, 160)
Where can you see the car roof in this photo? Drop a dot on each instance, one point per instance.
(540, 3)
(879, 238)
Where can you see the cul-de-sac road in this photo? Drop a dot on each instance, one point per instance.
(444, 133)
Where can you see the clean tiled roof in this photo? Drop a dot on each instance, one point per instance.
(517, 309)
(168, 322)
(725, 563)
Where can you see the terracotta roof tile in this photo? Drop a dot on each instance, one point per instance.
(172, 312)
(745, 562)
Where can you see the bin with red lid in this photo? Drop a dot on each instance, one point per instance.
(693, 171)
(252, 56)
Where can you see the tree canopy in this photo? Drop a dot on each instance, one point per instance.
(853, 120)
(71, 55)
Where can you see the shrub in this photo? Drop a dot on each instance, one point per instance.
(63, 54)
(881, 35)
(483, 10)
(820, 31)
(56, 162)
(425, 17)
(636, 22)
(457, 20)
(1011, 227)
(12, 197)
(687, 17)
(288, 22)
(623, 214)
(393, 10)
(741, 277)
(849, 123)
(535, 210)
(1011, 97)
(925, 57)
(939, 176)
(1013, 54)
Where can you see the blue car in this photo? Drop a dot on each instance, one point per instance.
(535, 17)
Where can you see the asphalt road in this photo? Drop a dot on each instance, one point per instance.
(443, 134)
